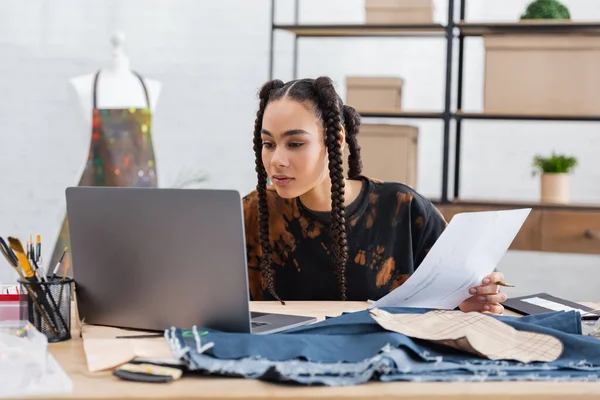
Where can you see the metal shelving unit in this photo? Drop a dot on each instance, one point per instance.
(469, 29)
(362, 30)
(452, 31)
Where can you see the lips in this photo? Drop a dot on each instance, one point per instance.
(281, 180)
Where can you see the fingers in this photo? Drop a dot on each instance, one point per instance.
(492, 298)
(476, 306)
(487, 297)
(493, 308)
(486, 289)
(493, 278)
(489, 285)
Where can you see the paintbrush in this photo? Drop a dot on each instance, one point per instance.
(38, 248)
(39, 272)
(29, 275)
(58, 264)
(17, 248)
(10, 256)
(41, 275)
(13, 260)
(65, 269)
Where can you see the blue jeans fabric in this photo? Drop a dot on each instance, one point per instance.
(352, 349)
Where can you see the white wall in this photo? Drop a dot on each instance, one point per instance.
(212, 56)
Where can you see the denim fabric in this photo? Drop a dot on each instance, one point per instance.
(352, 349)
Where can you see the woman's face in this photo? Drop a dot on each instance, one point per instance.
(293, 151)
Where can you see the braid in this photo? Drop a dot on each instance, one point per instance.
(261, 188)
(352, 123)
(327, 101)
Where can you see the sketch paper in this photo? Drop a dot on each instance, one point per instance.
(473, 332)
(469, 249)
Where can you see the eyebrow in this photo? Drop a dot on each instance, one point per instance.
(291, 132)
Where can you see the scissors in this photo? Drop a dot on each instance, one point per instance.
(8, 254)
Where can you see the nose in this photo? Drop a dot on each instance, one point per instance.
(279, 159)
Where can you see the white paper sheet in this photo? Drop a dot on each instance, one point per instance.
(551, 305)
(469, 249)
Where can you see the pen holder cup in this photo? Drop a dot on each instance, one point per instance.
(47, 306)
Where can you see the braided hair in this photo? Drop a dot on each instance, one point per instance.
(352, 124)
(328, 107)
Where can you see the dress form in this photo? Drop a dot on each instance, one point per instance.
(114, 112)
(118, 86)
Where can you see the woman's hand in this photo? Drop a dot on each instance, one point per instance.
(486, 297)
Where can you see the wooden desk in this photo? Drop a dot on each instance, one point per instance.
(104, 386)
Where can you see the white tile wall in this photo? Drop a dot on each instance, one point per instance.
(212, 56)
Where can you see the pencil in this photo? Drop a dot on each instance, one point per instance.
(502, 283)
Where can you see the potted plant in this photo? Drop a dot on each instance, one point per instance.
(546, 9)
(555, 172)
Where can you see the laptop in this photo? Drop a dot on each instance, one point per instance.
(153, 258)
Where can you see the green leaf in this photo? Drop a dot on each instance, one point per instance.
(546, 9)
(554, 164)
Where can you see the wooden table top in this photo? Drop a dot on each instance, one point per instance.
(103, 385)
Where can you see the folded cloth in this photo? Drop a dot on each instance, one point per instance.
(352, 349)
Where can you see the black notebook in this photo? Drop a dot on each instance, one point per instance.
(541, 303)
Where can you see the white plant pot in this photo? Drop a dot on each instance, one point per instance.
(555, 188)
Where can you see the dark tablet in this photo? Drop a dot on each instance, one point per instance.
(544, 302)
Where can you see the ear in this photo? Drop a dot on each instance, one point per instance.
(342, 137)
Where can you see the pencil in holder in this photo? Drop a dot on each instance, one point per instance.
(47, 306)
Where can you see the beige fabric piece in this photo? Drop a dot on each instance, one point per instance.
(473, 332)
(103, 351)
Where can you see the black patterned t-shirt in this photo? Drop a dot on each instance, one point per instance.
(390, 229)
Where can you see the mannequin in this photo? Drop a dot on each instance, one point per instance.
(114, 109)
(118, 87)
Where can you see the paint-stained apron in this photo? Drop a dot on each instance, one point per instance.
(120, 154)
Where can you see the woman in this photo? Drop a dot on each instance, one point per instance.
(315, 235)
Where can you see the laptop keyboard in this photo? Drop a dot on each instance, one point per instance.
(254, 323)
(255, 314)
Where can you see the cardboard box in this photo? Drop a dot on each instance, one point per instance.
(542, 74)
(399, 11)
(389, 152)
(377, 93)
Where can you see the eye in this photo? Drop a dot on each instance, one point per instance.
(295, 144)
(267, 145)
